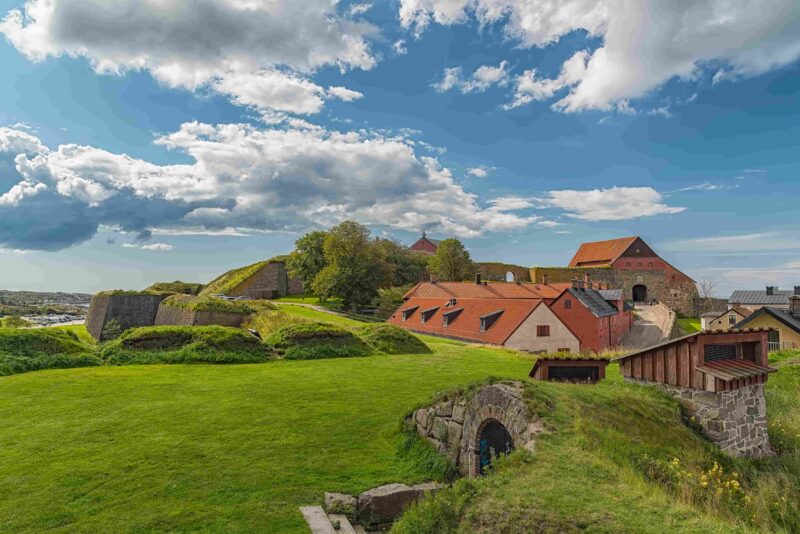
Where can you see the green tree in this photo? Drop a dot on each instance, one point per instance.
(14, 322)
(408, 266)
(451, 262)
(356, 267)
(308, 258)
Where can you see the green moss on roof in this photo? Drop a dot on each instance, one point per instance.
(228, 281)
(205, 303)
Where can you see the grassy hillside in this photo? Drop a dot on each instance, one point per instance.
(238, 448)
(619, 459)
(220, 448)
(689, 325)
(42, 348)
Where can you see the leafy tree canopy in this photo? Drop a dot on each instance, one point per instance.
(356, 266)
(451, 262)
(308, 258)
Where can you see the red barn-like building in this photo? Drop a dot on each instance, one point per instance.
(598, 317)
(425, 245)
(632, 265)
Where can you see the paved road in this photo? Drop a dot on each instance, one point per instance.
(650, 328)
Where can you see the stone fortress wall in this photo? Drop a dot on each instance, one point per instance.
(679, 295)
(129, 310)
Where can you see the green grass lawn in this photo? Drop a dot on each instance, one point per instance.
(315, 315)
(223, 448)
(689, 325)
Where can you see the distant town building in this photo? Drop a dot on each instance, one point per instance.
(784, 324)
(425, 244)
(754, 299)
(723, 320)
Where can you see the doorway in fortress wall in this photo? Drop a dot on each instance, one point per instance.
(640, 293)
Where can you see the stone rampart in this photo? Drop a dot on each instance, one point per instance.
(679, 295)
(178, 316)
(128, 310)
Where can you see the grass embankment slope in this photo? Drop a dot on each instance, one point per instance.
(220, 448)
(23, 350)
(238, 448)
(619, 459)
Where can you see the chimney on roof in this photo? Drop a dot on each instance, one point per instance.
(544, 279)
(770, 290)
(797, 290)
(478, 278)
(587, 280)
(575, 283)
(794, 303)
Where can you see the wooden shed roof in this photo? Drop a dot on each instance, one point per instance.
(729, 370)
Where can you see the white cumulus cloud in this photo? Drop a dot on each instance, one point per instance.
(644, 43)
(260, 54)
(242, 178)
(479, 81)
(612, 204)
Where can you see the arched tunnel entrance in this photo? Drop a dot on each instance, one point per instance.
(494, 441)
(639, 293)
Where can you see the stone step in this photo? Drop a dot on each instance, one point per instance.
(344, 524)
(317, 520)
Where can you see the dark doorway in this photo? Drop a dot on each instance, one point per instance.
(495, 441)
(639, 293)
(573, 374)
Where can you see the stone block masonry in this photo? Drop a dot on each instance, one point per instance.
(735, 420)
(454, 426)
(129, 310)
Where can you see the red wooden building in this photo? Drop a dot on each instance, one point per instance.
(425, 244)
(598, 317)
(710, 361)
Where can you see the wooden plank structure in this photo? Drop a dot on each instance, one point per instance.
(569, 369)
(710, 360)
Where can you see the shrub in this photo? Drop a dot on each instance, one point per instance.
(14, 322)
(184, 344)
(310, 341)
(390, 339)
(42, 348)
(111, 330)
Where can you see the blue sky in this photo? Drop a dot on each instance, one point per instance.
(141, 142)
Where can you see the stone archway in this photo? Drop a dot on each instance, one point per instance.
(455, 426)
(639, 293)
(511, 277)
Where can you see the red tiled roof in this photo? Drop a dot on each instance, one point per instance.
(467, 324)
(601, 252)
(492, 290)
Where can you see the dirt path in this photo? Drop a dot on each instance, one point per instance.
(651, 327)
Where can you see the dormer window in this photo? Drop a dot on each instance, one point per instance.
(408, 312)
(450, 316)
(427, 314)
(489, 319)
(567, 304)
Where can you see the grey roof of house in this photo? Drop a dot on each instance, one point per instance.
(610, 294)
(781, 296)
(790, 319)
(594, 301)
